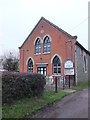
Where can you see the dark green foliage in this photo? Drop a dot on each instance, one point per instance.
(21, 85)
(10, 62)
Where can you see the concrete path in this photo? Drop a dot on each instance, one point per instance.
(69, 90)
(72, 106)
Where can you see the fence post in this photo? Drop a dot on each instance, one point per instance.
(60, 83)
(69, 81)
(63, 82)
(56, 84)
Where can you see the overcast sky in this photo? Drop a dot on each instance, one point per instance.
(18, 18)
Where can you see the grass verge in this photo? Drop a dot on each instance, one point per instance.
(82, 86)
(27, 107)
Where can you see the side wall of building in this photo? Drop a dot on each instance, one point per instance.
(89, 39)
(81, 73)
(89, 67)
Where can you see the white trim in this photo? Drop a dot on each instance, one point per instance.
(54, 56)
(28, 59)
(37, 38)
(42, 63)
(56, 75)
(37, 54)
(48, 36)
(46, 53)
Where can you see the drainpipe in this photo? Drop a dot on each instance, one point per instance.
(23, 59)
(71, 49)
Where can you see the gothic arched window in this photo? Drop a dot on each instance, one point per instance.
(46, 45)
(38, 46)
(56, 65)
(30, 65)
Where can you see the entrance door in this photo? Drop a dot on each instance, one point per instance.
(42, 70)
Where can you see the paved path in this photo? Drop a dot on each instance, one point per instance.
(72, 106)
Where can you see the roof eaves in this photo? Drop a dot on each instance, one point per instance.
(30, 33)
(42, 18)
(77, 43)
(61, 30)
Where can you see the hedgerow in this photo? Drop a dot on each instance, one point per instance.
(16, 86)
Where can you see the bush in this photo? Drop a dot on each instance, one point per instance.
(21, 85)
(10, 61)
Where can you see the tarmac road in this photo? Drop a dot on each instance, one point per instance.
(72, 106)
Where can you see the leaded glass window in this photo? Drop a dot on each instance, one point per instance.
(56, 65)
(38, 46)
(46, 45)
(30, 65)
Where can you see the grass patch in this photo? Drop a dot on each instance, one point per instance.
(27, 107)
(82, 86)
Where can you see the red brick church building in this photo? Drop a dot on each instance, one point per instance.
(47, 48)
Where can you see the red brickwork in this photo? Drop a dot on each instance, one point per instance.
(58, 46)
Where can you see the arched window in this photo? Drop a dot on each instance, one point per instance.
(38, 46)
(30, 65)
(46, 45)
(85, 64)
(56, 65)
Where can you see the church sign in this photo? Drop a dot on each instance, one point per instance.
(69, 71)
(68, 68)
(68, 64)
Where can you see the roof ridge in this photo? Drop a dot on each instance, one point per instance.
(66, 33)
(42, 18)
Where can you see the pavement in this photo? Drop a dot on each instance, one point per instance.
(69, 91)
(72, 106)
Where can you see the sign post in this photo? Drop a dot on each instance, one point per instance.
(68, 69)
(56, 84)
(69, 81)
(63, 83)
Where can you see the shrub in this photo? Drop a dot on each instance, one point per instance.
(21, 85)
(10, 61)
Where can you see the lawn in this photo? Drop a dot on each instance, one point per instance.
(27, 107)
(82, 86)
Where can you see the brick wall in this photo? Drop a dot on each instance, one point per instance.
(89, 67)
(58, 46)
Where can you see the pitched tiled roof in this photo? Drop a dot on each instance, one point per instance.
(42, 18)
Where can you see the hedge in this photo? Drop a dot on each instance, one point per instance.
(16, 86)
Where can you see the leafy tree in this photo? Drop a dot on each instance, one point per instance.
(10, 62)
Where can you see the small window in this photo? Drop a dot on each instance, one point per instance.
(81, 52)
(85, 64)
(42, 70)
(56, 65)
(46, 45)
(30, 65)
(38, 46)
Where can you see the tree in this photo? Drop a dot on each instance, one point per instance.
(10, 62)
